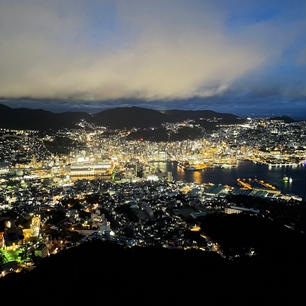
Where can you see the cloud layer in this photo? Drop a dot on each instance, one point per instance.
(99, 50)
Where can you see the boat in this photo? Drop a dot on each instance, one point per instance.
(228, 165)
(190, 166)
(195, 167)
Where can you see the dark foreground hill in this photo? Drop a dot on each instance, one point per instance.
(125, 117)
(109, 274)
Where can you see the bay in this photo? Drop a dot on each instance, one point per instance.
(245, 169)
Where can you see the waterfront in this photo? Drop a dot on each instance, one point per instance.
(245, 169)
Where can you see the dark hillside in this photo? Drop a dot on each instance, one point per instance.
(113, 275)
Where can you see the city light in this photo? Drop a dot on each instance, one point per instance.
(68, 199)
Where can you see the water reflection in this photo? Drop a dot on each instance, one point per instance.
(179, 174)
(197, 177)
(245, 169)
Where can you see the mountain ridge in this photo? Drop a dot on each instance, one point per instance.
(116, 118)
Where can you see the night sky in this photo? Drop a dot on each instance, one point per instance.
(240, 56)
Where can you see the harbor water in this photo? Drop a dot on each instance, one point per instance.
(245, 169)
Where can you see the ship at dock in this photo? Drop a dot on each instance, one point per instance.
(200, 166)
(228, 165)
(186, 166)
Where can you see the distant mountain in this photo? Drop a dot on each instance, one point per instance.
(23, 118)
(129, 117)
(116, 118)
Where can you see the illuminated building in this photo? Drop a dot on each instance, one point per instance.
(35, 226)
(91, 169)
(4, 170)
(27, 234)
(152, 178)
(8, 224)
(237, 210)
(1, 239)
(162, 155)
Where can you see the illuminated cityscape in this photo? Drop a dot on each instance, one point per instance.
(106, 186)
(153, 152)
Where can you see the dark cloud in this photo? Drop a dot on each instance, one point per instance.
(229, 55)
(172, 49)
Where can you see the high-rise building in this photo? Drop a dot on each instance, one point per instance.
(169, 176)
(162, 155)
(35, 226)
